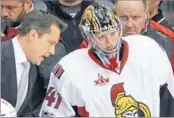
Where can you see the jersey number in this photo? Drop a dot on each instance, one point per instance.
(51, 98)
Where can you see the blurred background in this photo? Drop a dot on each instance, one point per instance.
(168, 10)
(167, 6)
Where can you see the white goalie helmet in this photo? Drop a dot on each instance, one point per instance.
(96, 19)
(7, 110)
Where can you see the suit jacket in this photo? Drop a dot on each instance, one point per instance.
(38, 79)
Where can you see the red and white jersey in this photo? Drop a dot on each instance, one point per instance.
(79, 80)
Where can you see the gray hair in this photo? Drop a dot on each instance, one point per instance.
(40, 21)
(145, 7)
(146, 12)
(144, 3)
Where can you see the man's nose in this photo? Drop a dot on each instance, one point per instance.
(4, 12)
(130, 23)
(108, 39)
(52, 50)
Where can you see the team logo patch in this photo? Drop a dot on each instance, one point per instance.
(101, 80)
(58, 71)
(126, 105)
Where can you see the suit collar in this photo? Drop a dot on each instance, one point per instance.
(19, 53)
(10, 71)
(8, 49)
(159, 16)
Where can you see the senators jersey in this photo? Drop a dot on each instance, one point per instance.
(80, 81)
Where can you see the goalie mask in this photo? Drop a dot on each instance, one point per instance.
(101, 28)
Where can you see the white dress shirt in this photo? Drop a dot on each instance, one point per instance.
(19, 59)
(19, 56)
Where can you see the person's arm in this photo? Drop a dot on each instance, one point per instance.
(164, 77)
(167, 97)
(59, 97)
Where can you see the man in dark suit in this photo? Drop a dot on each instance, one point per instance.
(38, 34)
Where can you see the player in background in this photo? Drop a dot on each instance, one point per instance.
(114, 77)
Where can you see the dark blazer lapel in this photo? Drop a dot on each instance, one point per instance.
(32, 79)
(31, 82)
(10, 71)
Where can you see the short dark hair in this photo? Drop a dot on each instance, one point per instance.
(40, 21)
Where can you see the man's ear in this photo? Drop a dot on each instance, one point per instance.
(147, 18)
(33, 35)
(147, 15)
